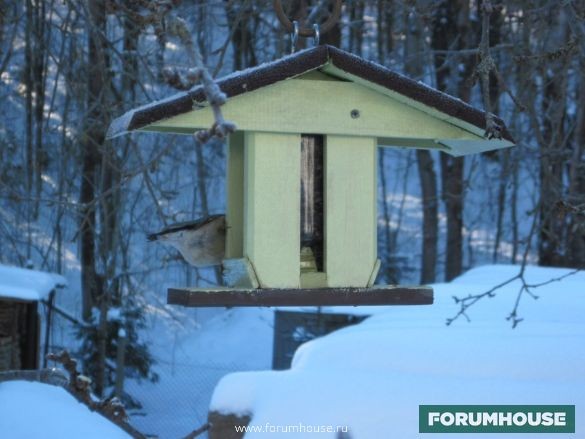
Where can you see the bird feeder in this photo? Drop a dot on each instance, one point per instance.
(301, 172)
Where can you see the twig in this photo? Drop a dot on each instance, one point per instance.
(198, 431)
(467, 302)
(199, 73)
(472, 299)
(79, 386)
(484, 67)
(65, 314)
(526, 288)
(316, 12)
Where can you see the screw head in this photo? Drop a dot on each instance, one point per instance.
(355, 113)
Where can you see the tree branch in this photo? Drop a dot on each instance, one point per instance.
(79, 386)
(221, 128)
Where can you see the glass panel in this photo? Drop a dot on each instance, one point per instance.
(312, 203)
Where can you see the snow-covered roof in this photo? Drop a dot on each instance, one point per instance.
(37, 410)
(29, 285)
(373, 376)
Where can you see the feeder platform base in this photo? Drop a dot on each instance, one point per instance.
(343, 296)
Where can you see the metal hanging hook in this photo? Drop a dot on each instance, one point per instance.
(294, 37)
(317, 35)
(308, 32)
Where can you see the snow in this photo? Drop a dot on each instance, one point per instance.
(372, 376)
(114, 314)
(29, 285)
(120, 125)
(191, 359)
(37, 410)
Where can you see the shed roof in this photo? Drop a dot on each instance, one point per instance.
(336, 62)
(28, 285)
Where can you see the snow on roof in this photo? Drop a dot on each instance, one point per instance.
(296, 64)
(29, 285)
(373, 376)
(37, 410)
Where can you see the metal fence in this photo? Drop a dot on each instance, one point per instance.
(178, 403)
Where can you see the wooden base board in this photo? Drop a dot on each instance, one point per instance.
(377, 295)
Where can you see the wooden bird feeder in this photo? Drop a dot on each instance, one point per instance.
(301, 173)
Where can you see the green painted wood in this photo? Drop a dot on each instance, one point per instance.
(457, 147)
(400, 142)
(235, 196)
(318, 75)
(405, 100)
(375, 272)
(239, 273)
(313, 280)
(350, 210)
(272, 206)
(324, 107)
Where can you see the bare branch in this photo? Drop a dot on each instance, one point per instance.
(199, 431)
(484, 67)
(467, 302)
(199, 73)
(80, 387)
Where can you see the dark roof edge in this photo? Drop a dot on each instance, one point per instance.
(412, 89)
(232, 85)
(295, 65)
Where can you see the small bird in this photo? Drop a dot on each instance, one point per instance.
(201, 242)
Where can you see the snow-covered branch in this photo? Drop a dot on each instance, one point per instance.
(199, 73)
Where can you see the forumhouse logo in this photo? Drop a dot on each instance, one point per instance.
(496, 418)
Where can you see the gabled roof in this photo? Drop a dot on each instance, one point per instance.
(337, 62)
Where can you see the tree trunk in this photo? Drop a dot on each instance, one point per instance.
(92, 140)
(389, 271)
(28, 83)
(413, 49)
(430, 227)
(95, 172)
(576, 196)
(452, 193)
(551, 251)
(242, 23)
(356, 29)
(38, 75)
(451, 27)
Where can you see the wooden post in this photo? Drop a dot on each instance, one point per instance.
(271, 207)
(30, 345)
(48, 327)
(350, 210)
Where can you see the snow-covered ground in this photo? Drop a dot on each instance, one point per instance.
(42, 411)
(373, 376)
(370, 377)
(191, 359)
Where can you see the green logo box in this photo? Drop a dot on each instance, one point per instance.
(496, 419)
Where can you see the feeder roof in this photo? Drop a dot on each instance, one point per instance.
(340, 65)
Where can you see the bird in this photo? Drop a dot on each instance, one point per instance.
(201, 242)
